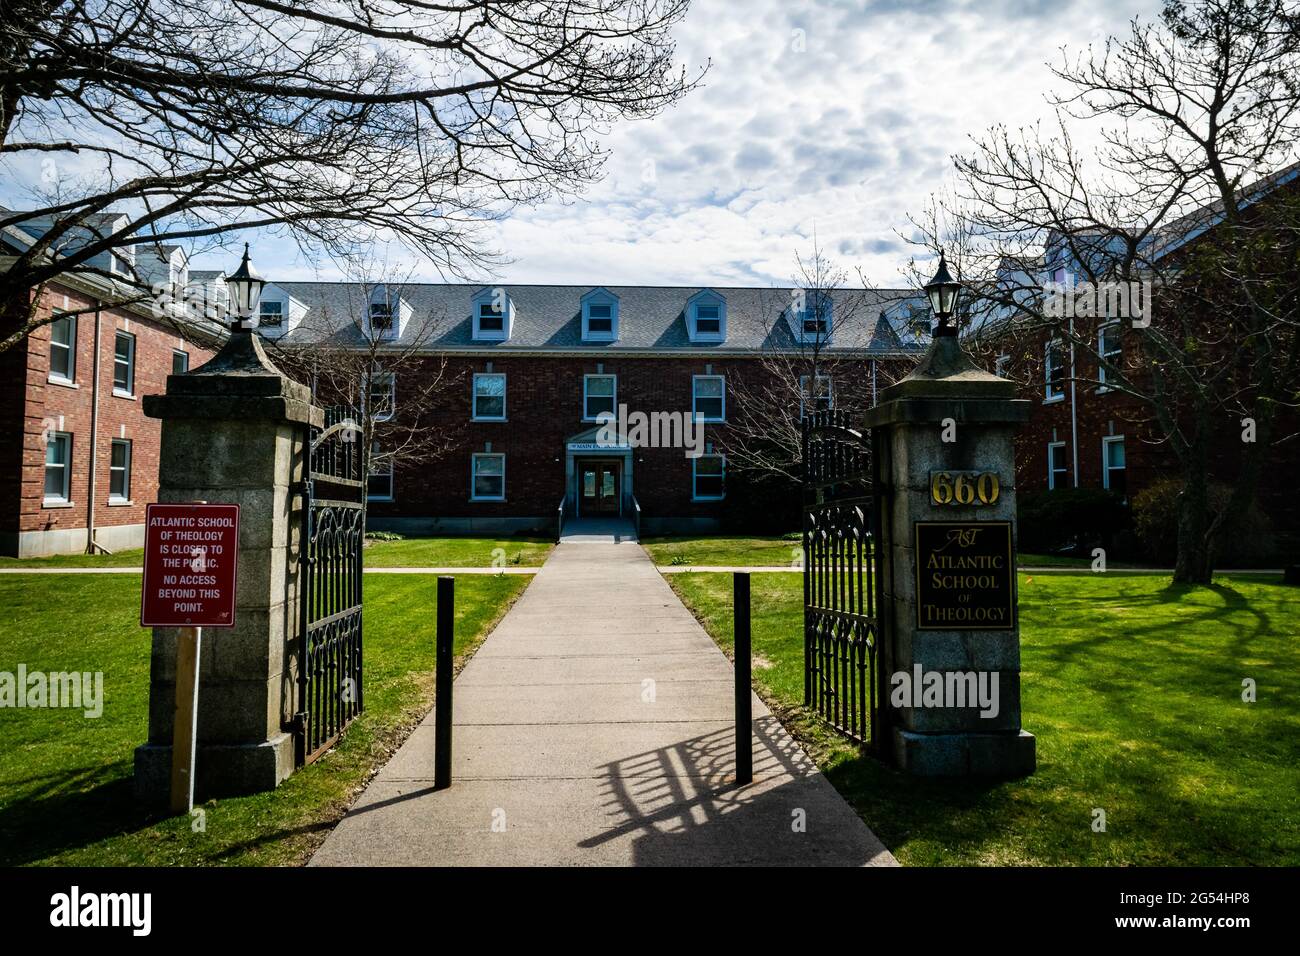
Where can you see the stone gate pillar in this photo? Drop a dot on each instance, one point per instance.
(944, 444)
(233, 432)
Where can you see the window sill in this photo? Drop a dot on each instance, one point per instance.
(1104, 389)
(495, 501)
(62, 382)
(380, 498)
(1053, 399)
(120, 502)
(708, 421)
(475, 418)
(56, 503)
(708, 498)
(127, 395)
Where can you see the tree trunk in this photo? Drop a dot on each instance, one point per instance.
(1195, 563)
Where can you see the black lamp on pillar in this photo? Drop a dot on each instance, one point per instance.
(942, 291)
(245, 288)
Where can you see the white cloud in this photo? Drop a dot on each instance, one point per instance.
(844, 132)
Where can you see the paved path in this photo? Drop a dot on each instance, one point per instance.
(594, 727)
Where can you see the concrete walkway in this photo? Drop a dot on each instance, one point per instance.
(594, 727)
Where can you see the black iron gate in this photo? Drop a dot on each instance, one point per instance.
(841, 591)
(333, 535)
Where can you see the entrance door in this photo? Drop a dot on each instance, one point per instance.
(598, 487)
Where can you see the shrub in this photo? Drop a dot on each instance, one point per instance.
(1070, 518)
(1155, 520)
(385, 536)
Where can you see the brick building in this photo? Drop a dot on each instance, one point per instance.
(78, 457)
(530, 368)
(1084, 434)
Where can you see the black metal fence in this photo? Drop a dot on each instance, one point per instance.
(330, 583)
(842, 599)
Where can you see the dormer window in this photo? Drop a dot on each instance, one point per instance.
(812, 318)
(706, 317)
(491, 318)
(270, 315)
(599, 316)
(493, 314)
(600, 320)
(381, 316)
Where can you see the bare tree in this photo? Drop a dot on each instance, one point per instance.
(349, 352)
(330, 121)
(1198, 116)
(796, 371)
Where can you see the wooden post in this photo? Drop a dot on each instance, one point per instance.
(744, 704)
(443, 674)
(185, 726)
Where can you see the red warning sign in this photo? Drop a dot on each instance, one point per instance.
(190, 557)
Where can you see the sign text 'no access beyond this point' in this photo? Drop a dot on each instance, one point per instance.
(190, 556)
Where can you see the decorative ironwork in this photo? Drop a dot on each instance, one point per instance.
(330, 583)
(842, 596)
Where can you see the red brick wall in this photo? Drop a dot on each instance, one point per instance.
(543, 410)
(60, 407)
(1149, 459)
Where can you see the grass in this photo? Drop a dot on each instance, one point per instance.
(65, 780)
(441, 552)
(782, 551)
(455, 552)
(1133, 689)
(724, 551)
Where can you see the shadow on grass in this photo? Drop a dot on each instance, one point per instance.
(70, 810)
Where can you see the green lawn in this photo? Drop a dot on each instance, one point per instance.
(65, 780)
(1133, 689)
(725, 551)
(443, 552)
(780, 551)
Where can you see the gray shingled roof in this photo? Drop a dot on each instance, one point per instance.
(548, 317)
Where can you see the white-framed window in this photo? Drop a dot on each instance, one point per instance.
(63, 349)
(489, 397)
(708, 477)
(180, 361)
(814, 317)
(119, 470)
(815, 396)
(124, 364)
(1000, 365)
(382, 313)
(1055, 362)
(382, 395)
(709, 398)
(706, 317)
(599, 316)
(492, 312)
(1110, 347)
(1058, 469)
(488, 477)
(270, 314)
(1114, 474)
(599, 394)
(491, 317)
(379, 479)
(58, 468)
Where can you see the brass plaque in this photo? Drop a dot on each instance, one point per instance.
(965, 576)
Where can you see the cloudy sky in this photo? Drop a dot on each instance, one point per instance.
(828, 117)
(843, 137)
